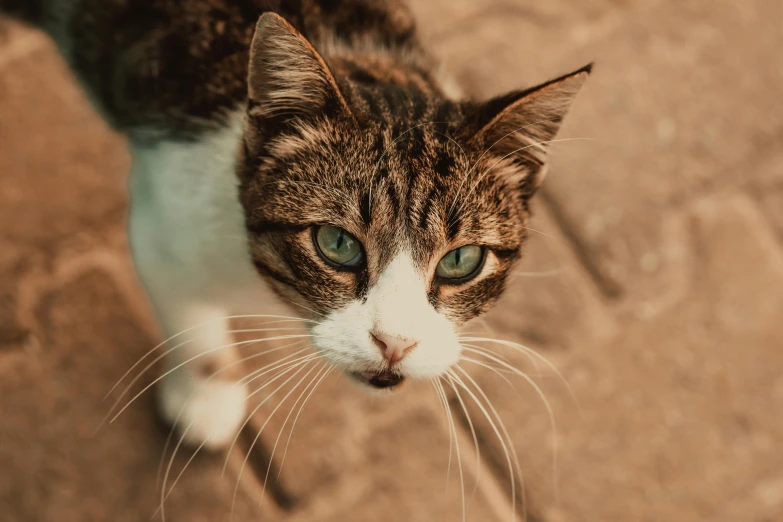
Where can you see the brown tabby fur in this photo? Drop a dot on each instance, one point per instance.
(346, 125)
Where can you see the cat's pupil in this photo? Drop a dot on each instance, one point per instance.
(457, 256)
(340, 239)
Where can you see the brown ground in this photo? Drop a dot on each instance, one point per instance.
(657, 292)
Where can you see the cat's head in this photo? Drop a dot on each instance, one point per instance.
(389, 212)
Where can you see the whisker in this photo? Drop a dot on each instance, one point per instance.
(179, 475)
(282, 428)
(212, 350)
(543, 398)
(258, 435)
(530, 353)
(258, 372)
(499, 369)
(176, 347)
(289, 367)
(529, 356)
(479, 349)
(161, 508)
(209, 378)
(314, 312)
(472, 433)
(184, 434)
(293, 425)
(459, 458)
(493, 369)
(442, 396)
(201, 325)
(308, 357)
(504, 439)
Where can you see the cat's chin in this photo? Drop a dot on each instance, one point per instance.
(384, 380)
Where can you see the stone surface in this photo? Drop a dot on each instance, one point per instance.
(653, 283)
(56, 464)
(653, 107)
(401, 487)
(64, 173)
(675, 410)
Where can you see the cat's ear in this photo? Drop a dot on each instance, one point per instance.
(286, 76)
(519, 126)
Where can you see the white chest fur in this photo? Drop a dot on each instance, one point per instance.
(187, 226)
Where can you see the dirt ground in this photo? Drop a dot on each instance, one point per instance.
(655, 288)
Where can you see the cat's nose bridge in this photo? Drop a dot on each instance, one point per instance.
(398, 302)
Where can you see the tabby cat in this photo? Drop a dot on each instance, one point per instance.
(308, 146)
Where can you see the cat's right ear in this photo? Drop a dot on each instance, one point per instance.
(286, 76)
(520, 126)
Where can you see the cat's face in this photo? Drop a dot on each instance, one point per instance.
(389, 213)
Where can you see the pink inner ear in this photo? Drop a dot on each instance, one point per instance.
(519, 134)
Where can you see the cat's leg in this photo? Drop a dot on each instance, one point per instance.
(199, 395)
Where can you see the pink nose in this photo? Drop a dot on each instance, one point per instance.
(393, 348)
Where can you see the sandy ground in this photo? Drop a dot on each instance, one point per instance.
(655, 288)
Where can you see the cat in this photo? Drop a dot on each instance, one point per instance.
(310, 147)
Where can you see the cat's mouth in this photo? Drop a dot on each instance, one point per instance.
(384, 379)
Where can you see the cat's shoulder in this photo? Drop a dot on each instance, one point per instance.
(182, 66)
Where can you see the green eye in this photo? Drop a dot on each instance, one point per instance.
(461, 264)
(338, 246)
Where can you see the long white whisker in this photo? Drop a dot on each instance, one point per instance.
(288, 367)
(258, 435)
(309, 357)
(209, 378)
(472, 433)
(212, 350)
(172, 349)
(502, 434)
(314, 312)
(543, 398)
(442, 396)
(201, 325)
(530, 352)
(165, 497)
(293, 425)
(480, 349)
(282, 428)
(166, 476)
(531, 356)
(255, 374)
(459, 461)
(498, 368)
(494, 369)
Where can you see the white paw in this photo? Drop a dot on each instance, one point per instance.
(203, 411)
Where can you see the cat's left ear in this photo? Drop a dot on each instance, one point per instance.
(286, 76)
(519, 126)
